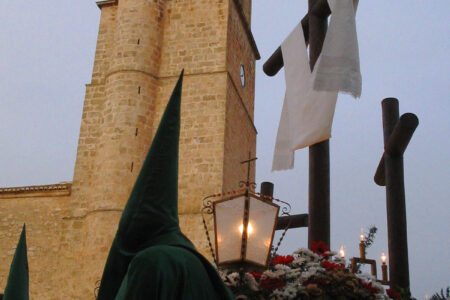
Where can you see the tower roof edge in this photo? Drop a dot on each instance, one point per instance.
(102, 3)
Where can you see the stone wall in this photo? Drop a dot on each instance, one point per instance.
(40, 207)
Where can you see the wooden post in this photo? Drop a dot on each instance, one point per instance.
(319, 154)
(294, 221)
(267, 188)
(395, 202)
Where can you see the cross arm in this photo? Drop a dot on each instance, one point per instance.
(275, 62)
(294, 221)
(397, 143)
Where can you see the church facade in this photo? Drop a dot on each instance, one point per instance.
(141, 49)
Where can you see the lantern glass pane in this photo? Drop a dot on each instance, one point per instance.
(229, 217)
(261, 227)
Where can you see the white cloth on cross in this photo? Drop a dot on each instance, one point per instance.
(310, 98)
(307, 114)
(338, 68)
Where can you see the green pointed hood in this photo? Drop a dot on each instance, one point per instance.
(17, 285)
(151, 214)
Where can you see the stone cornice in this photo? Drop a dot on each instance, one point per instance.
(50, 190)
(247, 29)
(100, 4)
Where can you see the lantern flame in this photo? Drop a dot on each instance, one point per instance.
(249, 228)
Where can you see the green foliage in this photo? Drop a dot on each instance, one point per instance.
(370, 237)
(442, 296)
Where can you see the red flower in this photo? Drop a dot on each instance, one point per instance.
(282, 260)
(393, 294)
(329, 266)
(368, 285)
(319, 248)
(272, 283)
(256, 275)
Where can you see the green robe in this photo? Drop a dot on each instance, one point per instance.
(171, 273)
(17, 285)
(150, 258)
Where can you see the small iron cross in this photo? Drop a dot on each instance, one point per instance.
(248, 162)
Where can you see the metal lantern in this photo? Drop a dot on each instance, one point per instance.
(244, 227)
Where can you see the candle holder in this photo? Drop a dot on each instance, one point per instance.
(373, 265)
(362, 249)
(364, 261)
(362, 244)
(384, 274)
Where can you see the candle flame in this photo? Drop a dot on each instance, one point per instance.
(342, 252)
(362, 236)
(249, 228)
(383, 258)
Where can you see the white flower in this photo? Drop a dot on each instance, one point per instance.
(293, 273)
(267, 274)
(233, 278)
(366, 277)
(299, 261)
(282, 267)
(288, 292)
(308, 255)
(251, 282)
(340, 260)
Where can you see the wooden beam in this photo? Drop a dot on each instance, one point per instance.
(274, 64)
(294, 221)
(397, 143)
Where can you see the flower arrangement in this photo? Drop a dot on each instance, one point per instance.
(307, 274)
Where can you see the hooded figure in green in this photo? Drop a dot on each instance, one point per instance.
(150, 258)
(17, 285)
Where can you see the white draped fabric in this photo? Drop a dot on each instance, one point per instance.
(338, 68)
(307, 114)
(310, 98)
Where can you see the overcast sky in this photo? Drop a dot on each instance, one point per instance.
(46, 57)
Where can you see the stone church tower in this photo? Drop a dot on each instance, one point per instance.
(142, 47)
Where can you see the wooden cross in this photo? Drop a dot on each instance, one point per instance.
(285, 222)
(314, 27)
(397, 133)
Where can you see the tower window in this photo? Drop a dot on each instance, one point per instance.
(242, 75)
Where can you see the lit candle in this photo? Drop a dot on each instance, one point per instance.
(362, 246)
(384, 267)
(362, 236)
(342, 252)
